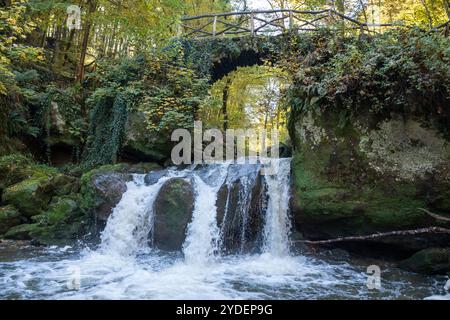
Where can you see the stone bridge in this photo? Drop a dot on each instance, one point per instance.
(240, 39)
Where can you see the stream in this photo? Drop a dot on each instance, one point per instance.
(125, 265)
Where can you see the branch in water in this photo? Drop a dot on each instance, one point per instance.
(379, 235)
(434, 215)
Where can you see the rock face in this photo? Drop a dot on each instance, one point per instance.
(140, 145)
(428, 261)
(28, 195)
(173, 210)
(241, 208)
(371, 175)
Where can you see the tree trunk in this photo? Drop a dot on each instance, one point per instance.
(84, 44)
(225, 94)
(427, 11)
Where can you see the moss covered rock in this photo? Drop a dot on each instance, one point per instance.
(27, 195)
(367, 175)
(63, 222)
(13, 168)
(140, 145)
(21, 232)
(9, 217)
(102, 188)
(428, 261)
(173, 211)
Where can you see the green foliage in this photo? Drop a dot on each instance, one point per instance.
(159, 87)
(401, 71)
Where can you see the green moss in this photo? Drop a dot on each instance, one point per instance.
(21, 232)
(9, 217)
(62, 222)
(60, 210)
(26, 197)
(353, 207)
(13, 168)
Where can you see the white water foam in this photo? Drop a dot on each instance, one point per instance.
(277, 225)
(203, 234)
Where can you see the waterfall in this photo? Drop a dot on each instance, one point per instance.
(277, 225)
(229, 205)
(203, 234)
(131, 220)
(128, 228)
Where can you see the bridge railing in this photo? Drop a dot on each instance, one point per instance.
(272, 22)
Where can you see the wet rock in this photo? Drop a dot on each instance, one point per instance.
(103, 187)
(9, 217)
(154, 176)
(102, 192)
(173, 210)
(428, 261)
(241, 206)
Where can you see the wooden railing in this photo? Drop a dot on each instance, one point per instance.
(273, 22)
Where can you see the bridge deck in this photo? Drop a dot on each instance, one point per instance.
(273, 22)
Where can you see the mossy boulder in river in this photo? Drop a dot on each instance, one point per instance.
(28, 195)
(61, 223)
(369, 175)
(173, 210)
(428, 261)
(9, 217)
(102, 188)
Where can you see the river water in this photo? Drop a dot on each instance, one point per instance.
(126, 266)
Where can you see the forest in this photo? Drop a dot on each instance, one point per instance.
(91, 92)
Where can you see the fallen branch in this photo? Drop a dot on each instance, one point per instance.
(434, 215)
(379, 235)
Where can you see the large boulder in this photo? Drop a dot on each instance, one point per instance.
(173, 210)
(27, 196)
(102, 193)
(241, 206)
(9, 217)
(428, 261)
(61, 223)
(103, 187)
(372, 174)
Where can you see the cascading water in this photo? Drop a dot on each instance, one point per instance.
(131, 220)
(237, 210)
(203, 233)
(277, 225)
